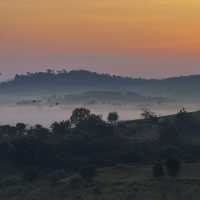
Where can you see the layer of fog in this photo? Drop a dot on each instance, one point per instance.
(45, 115)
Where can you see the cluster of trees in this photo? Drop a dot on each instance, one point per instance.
(74, 76)
(87, 140)
(82, 140)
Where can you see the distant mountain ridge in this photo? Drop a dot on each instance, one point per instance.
(50, 82)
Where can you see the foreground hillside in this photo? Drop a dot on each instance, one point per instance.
(88, 158)
(114, 183)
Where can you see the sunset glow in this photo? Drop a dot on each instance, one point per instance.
(106, 27)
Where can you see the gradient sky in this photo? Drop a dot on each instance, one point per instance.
(147, 38)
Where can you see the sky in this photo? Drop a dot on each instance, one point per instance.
(139, 38)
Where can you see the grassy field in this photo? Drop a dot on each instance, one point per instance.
(116, 183)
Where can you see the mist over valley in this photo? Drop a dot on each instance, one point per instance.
(45, 97)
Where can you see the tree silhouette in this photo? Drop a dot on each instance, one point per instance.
(158, 170)
(21, 128)
(147, 114)
(61, 128)
(173, 167)
(113, 117)
(79, 115)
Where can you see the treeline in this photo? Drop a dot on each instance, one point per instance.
(62, 82)
(67, 144)
(68, 77)
(87, 140)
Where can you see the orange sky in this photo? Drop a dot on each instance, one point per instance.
(122, 27)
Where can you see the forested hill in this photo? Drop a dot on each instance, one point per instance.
(51, 82)
(79, 77)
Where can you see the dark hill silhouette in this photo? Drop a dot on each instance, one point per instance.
(64, 82)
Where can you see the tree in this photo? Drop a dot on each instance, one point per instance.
(182, 115)
(21, 128)
(173, 167)
(60, 127)
(149, 115)
(92, 123)
(158, 170)
(39, 131)
(113, 117)
(8, 131)
(50, 71)
(185, 120)
(79, 115)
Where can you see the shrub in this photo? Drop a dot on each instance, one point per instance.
(158, 170)
(173, 167)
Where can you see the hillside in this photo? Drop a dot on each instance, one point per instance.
(37, 163)
(50, 82)
(114, 183)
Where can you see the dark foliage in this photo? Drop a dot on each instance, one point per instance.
(93, 142)
(158, 170)
(21, 128)
(61, 128)
(113, 117)
(173, 167)
(79, 115)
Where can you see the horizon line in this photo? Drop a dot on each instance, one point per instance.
(56, 71)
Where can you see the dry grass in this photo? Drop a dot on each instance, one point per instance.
(117, 183)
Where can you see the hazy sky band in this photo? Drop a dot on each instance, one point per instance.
(158, 37)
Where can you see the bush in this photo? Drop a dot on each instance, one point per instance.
(173, 167)
(88, 173)
(158, 170)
